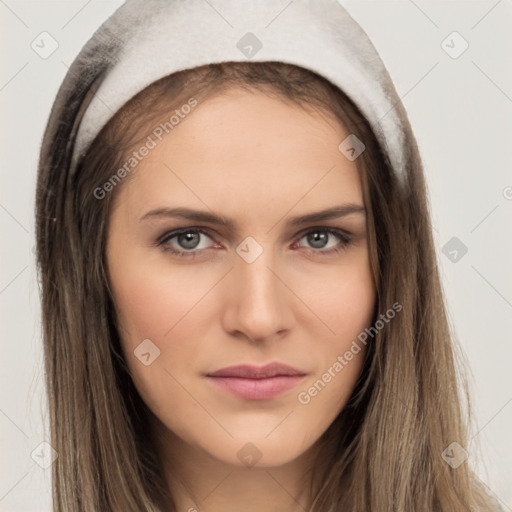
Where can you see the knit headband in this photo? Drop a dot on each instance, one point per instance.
(145, 40)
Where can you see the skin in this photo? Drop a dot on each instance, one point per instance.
(260, 161)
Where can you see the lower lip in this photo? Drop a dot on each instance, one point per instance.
(257, 389)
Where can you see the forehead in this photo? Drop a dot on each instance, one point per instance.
(244, 147)
(248, 123)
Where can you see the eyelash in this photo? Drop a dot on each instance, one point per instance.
(344, 237)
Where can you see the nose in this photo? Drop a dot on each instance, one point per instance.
(258, 304)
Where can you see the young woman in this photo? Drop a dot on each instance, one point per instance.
(240, 298)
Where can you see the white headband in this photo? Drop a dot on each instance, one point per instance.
(155, 38)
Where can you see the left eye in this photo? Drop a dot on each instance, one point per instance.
(319, 238)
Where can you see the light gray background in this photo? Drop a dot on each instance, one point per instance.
(460, 110)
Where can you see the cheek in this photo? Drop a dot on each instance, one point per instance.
(344, 300)
(345, 303)
(159, 307)
(169, 306)
(150, 300)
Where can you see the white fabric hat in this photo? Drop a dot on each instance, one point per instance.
(145, 40)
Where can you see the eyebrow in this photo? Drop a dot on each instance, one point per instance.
(230, 224)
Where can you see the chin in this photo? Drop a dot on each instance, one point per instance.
(257, 452)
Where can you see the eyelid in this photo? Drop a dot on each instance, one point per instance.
(337, 231)
(169, 235)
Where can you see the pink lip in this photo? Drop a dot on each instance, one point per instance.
(257, 383)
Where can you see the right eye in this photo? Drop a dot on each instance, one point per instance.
(184, 242)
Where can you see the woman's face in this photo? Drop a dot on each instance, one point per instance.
(249, 282)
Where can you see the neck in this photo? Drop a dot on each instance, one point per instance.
(198, 481)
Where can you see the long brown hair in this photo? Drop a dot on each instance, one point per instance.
(383, 451)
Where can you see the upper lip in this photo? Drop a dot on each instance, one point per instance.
(247, 371)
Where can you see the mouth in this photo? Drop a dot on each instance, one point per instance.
(257, 383)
